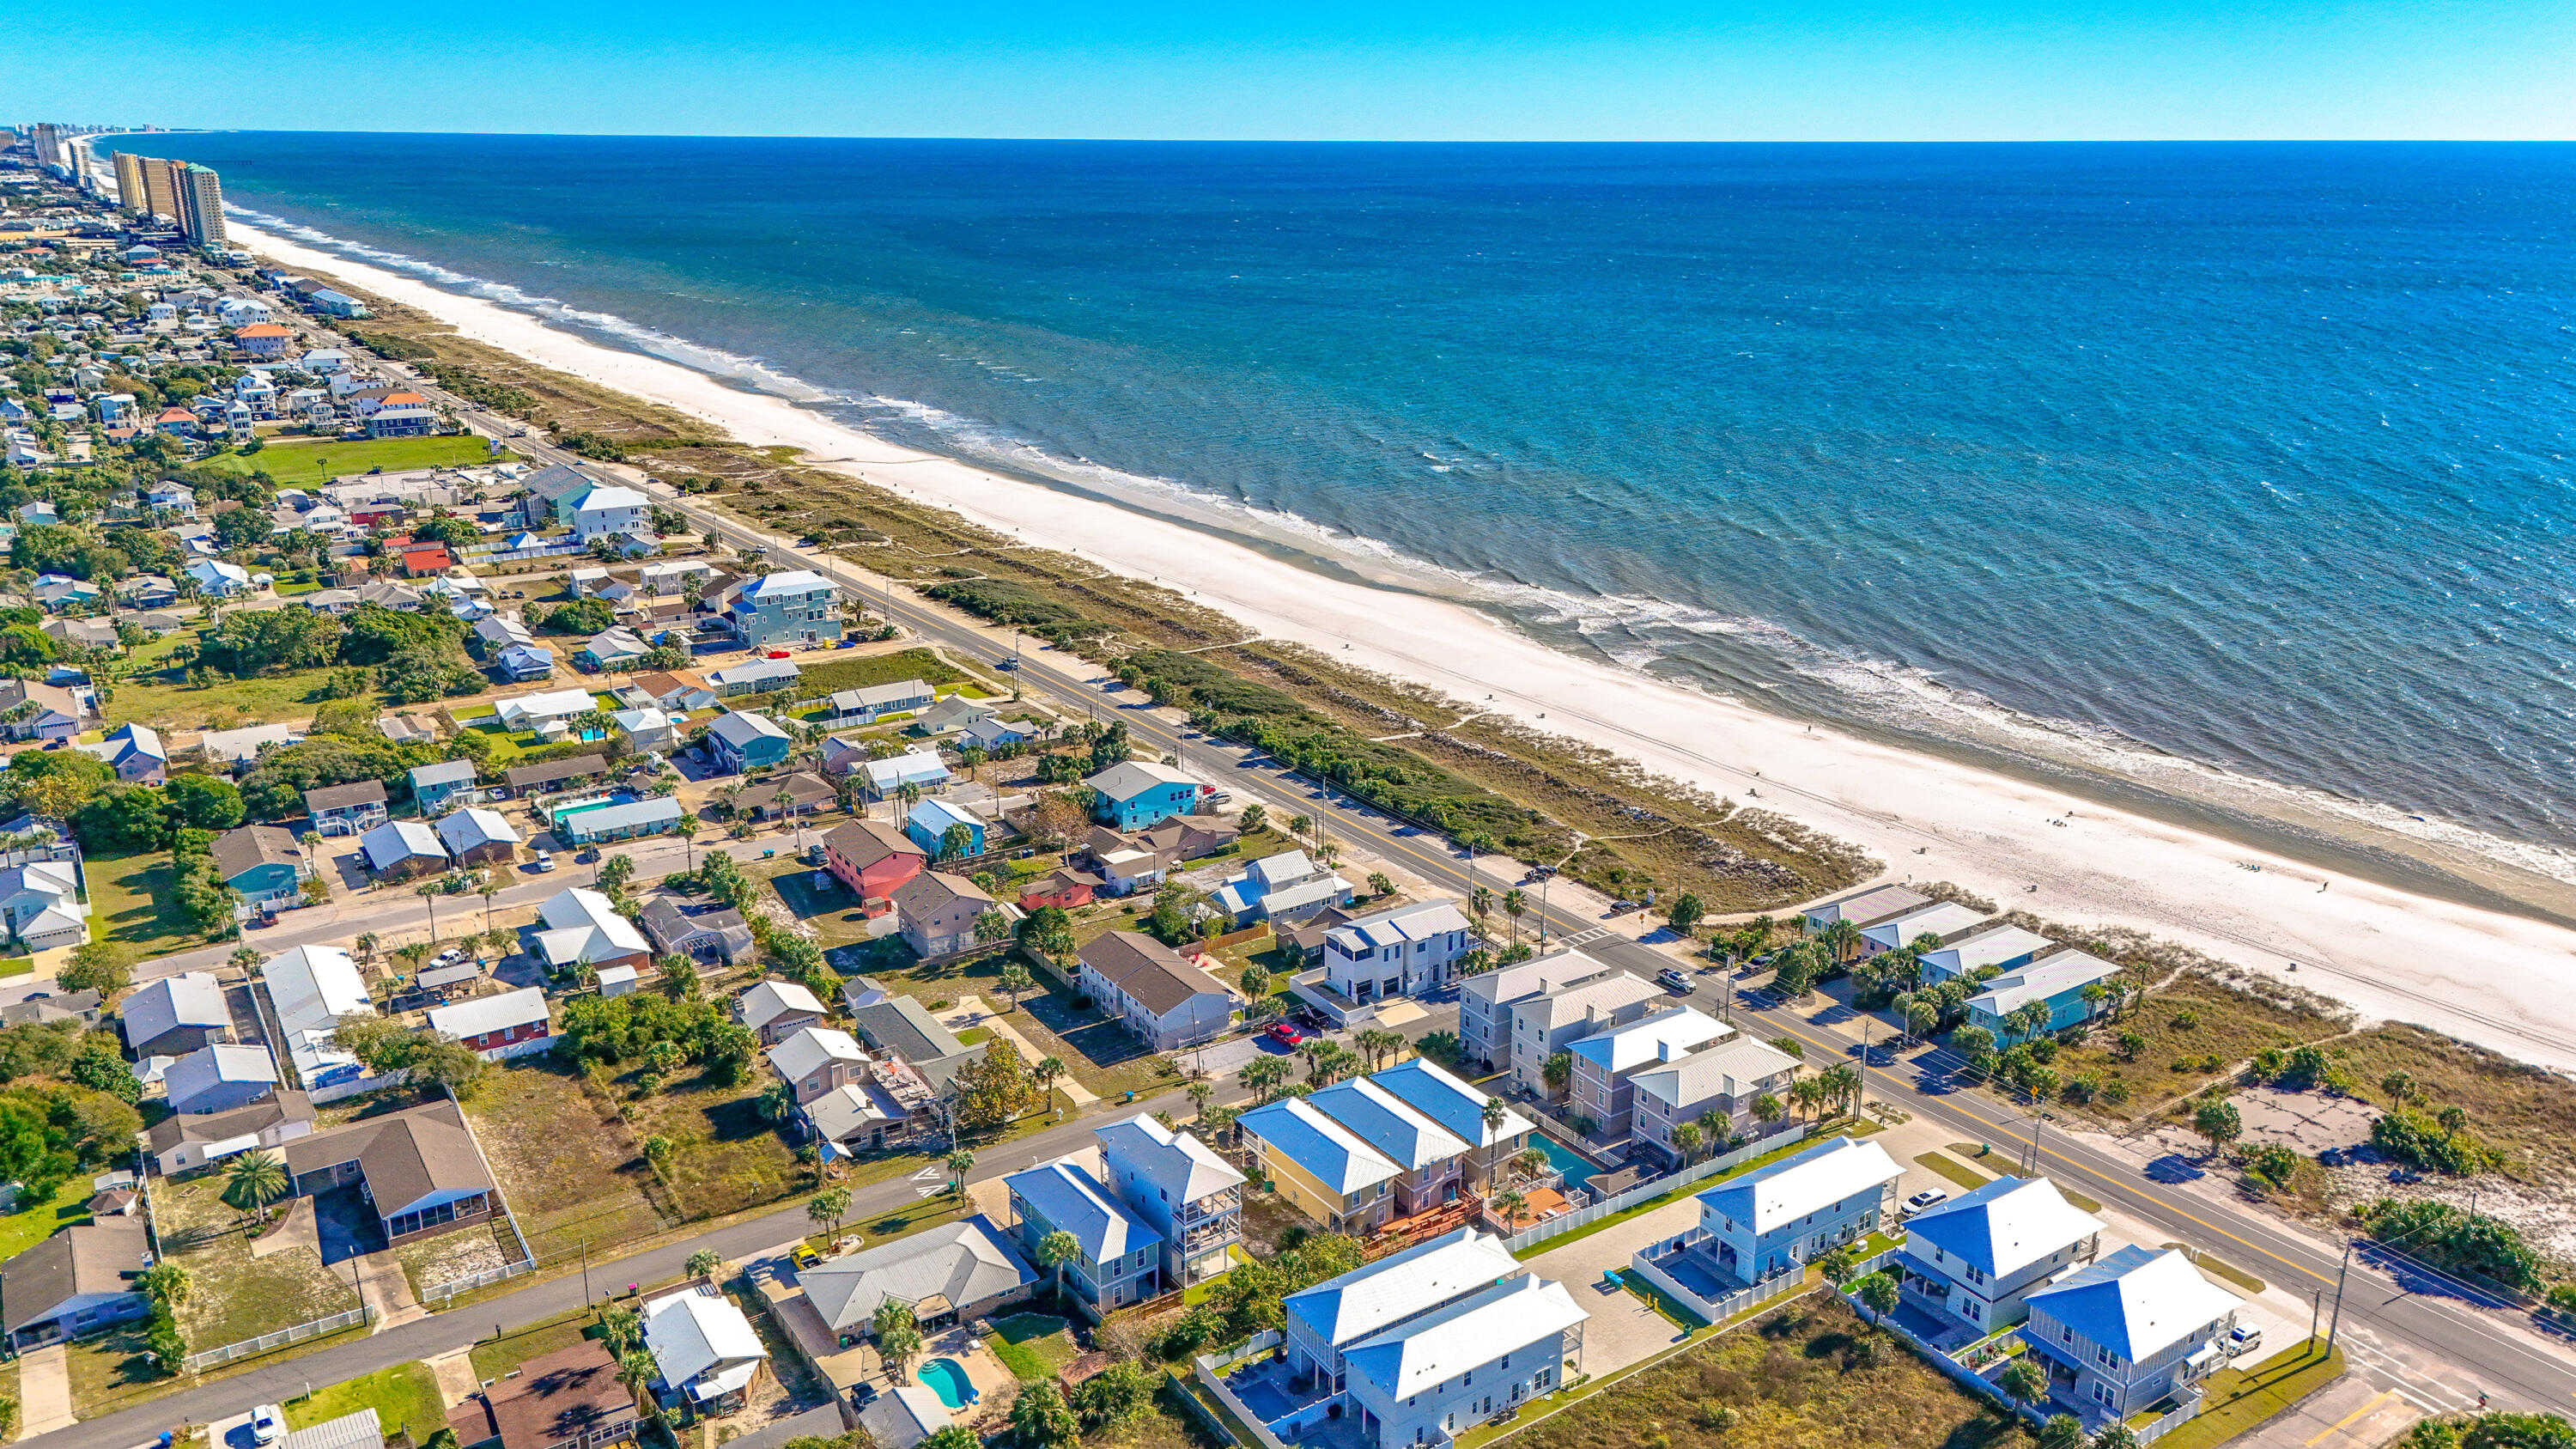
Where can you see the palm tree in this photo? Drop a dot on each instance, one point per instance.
(1840, 938)
(1686, 1141)
(367, 944)
(687, 827)
(1199, 1093)
(1264, 1075)
(1046, 1071)
(429, 893)
(828, 1208)
(2027, 1020)
(637, 1370)
(1515, 901)
(898, 1334)
(256, 1180)
(1529, 1162)
(960, 1162)
(1054, 1251)
(1511, 1202)
(1920, 1017)
(490, 889)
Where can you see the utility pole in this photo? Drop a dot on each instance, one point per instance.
(2335, 1323)
(585, 1274)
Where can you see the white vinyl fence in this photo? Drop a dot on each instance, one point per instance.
(1649, 1191)
(200, 1362)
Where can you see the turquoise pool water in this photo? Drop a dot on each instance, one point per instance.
(1575, 1169)
(947, 1379)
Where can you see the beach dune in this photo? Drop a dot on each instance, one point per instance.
(2485, 976)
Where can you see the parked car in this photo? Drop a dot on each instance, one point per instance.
(267, 1424)
(777, 654)
(2243, 1339)
(543, 863)
(1922, 1201)
(1286, 1033)
(1674, 980)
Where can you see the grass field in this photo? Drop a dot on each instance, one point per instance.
(2239, 1399)
(298, 463)
(494, 1357)
(724, 1157)
(164, 702)
(29, 1226)
(1950, 1167)
(131, 905)
(2192, 1031)
(236, 1296)
(1807, 1374)
(405, 1398)
(840, 674)
(2520, 1109)
(569, 1168)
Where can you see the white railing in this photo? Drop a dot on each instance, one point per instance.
(1716, 1310)
(447, 1292)
(200, 1362)
(1649, 1191)
(1212, 1367)
(2184, 1414)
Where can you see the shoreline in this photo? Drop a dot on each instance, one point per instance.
(2387, 951)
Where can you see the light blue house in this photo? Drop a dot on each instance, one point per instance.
(1193, 1197)
(2058, 980)
(439, 787)
(928, 823)
(796, 607)
(1120, 1256)
(1774, 1221)
(1133, 795)
(1999, 948)
(743, 742)
(2129, 1330)
(1972, 1260)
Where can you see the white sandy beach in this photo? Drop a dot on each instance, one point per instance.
(2484, 976)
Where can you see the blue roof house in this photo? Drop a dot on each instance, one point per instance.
(2127, 1331)
(1972, 1260)
(449, 782)
(1133, 795)
(2058, 980)
(930, 821)
(743, 742)
(1771, 1222)
(1120, 1258)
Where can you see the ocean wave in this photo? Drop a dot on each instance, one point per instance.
(1639, 633)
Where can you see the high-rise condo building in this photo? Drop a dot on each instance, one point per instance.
(201, 204)
(50, 150)
(129, 182)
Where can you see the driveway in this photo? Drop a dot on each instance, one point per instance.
(44, 1390)
(347, 1226)
(1624, 1328)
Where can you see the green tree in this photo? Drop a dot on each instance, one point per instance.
(94, 966)
(1877, 1292)
(1055, 1250)
(703, 1263)
(2025, 1382)
(2061, 1431)
(256, 1179)
(897, 1335)
(1040, 1420)
(2218, 1122)
(1684, 913)
(829, 1207)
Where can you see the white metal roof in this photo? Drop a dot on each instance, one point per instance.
(1173, 1161)
(463, 830)
(1665, 1036)
(312, 987)
(1727, 1068)
(1810, 1181)
(2042, 979)
(809, 1049)
(1418, 922)
(690, 1333)
(478, 1015)
(1941, 918)
(1446, 1342)
(1368, 1298)
(771, 1000)
(396, 841)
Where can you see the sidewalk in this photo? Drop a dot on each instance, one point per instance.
(970, 1011)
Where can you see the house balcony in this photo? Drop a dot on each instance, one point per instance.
(1214, 1205)
(1212, 1234)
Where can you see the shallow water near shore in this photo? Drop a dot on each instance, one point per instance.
(2231, 473)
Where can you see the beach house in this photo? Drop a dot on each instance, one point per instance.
(1320, 1322)
(937, 913)
(175, 1015)
(813, 1060)
(40, 901)
(872, 858)
(476, 836)
(347, 809)
(1495, 1133)
(776, 1010)
(1133, 794)
(1321, 1167)
(134, 753)
(581, 927)
(438, 788)
(705, 1348)
(401, 849)
(260, 863)
(928, 825)
(615, 512)
(2072, 985)
(759, 676)
(309, 989)
(797, 607)
(1119, 1255)
(1776, 1219)
(1997, 948)
(1864, 909)
(958, 1272)
(218, 1078)
(1432, 1157)
(1973, 1259)
(877, 701)
(885, 778)
(740, 743)
(2126, 1331)
(1553, 1021)
(1190, 1195)
(75, 1283)
(1285, 887)
(512, 1024)
(709, 937)
(1401, 952)
(1459, 1366)
(1604, 1062)
(1723, 1079)
(1165, 999)
(1940, 923)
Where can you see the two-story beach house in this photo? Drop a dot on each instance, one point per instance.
(347, 809)
(1288, 886)
(2126, 1331)
(872, 858)
(937, 913)
(262, 863)
(1321, 1166)
(1435, 1376)
(1720, 1081)
(1940, 923)
(1162, 997)
(1973, 1259)
(1172, 1180)
(1605, 1061)
(741, 742)
(1401, 952)
(1494, 1131)
(1120, 1255)
(1774, 1220)
(1485, 1002)
(1997, 948)
(1320, 1322)
(1433, 1158)
(1553, 1022)
(1864, 909)
(798, 607)
(815, 1060)
(1132, 794)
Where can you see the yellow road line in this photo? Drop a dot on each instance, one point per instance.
(2384, 1396)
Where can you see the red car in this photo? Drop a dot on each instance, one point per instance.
(1285, 1034)
(777, 653)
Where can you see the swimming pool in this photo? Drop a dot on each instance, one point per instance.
(1575, 1168)
(947, 1378)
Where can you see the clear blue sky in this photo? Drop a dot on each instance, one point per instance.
(1334, 69)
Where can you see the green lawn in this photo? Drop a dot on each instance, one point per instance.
(405, 1398)
(17, 966)
(29, 1226)
(1550, 1245)
(2239, 1399)
(131, 905)
(1953, 1169)
(839, 674)
(299, 463)
(1033, 1346)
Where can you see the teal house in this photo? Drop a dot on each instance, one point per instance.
(742, 743)
(1133, 795)
(260, 862)
(930, 821)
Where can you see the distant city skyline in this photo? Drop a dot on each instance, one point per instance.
(1894, 70)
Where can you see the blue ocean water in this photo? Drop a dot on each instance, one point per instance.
(2252, 455)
